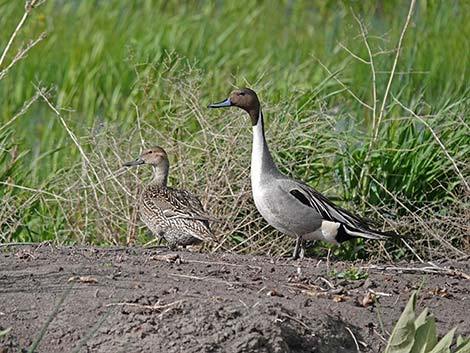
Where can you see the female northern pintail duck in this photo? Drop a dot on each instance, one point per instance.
(291, 206)
(176, 215)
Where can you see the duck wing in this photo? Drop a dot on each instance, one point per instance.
(351, 225)
(174, 203)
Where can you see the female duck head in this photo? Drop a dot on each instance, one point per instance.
(243, 98)
(158, 159)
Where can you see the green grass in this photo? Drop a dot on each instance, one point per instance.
(352, 273)
(105, 58)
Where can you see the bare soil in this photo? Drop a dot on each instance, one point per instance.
(157, 300)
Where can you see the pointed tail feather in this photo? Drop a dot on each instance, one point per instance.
(346, 232)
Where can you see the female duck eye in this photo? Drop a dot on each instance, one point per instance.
(150, 152)
(242, 93)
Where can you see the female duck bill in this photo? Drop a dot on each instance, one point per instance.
(221, 104)
(137, 161)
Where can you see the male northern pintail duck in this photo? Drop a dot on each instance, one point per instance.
(176, 215)
(291, 206)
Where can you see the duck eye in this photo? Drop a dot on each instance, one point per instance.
(242, 93)
(150, 152)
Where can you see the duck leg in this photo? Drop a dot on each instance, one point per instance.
(328, 260)
(302, 249)
(160, 237)
(298, 248)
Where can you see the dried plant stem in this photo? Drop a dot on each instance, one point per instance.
(23, 110)
(38, 191)
(372, 69)
(29, 5)
(359, 100)
(427, 269)
(375, 132)
(154, 307)
(70, 133)
(392, 72)
(418, 218)
(22, 53)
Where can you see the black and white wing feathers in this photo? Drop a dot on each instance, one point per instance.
(351, 226)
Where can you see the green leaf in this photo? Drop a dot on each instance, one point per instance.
(444, 344)
(463, 345)
(425, 338)
(421, 319)
(5, 332)
(402, 337)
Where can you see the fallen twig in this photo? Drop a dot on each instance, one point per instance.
(210, 279)
(327, 282)
(155, 306)
(6, 245)
(298, 321)
(354, 338)
(426, 269)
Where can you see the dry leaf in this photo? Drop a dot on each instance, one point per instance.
(83, 279)
(315, 293)
(442, 292)
(274, 293)
(24, 255)
(368, 299)
(339, 298)
(168, 258)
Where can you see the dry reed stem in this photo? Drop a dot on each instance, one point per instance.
(418, 218)
(21, 54)
(154, 307)
(386, 93)
(392, 72)
(426, 269)
(29, 5)
(372, 69)
(39, 191)
(346, 88)
(22, 111)
(42, 93)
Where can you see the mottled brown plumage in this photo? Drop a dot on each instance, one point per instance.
(176, 215)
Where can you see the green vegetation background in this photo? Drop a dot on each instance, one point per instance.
(105, 58)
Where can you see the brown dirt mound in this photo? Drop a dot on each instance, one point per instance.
(154, 300)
